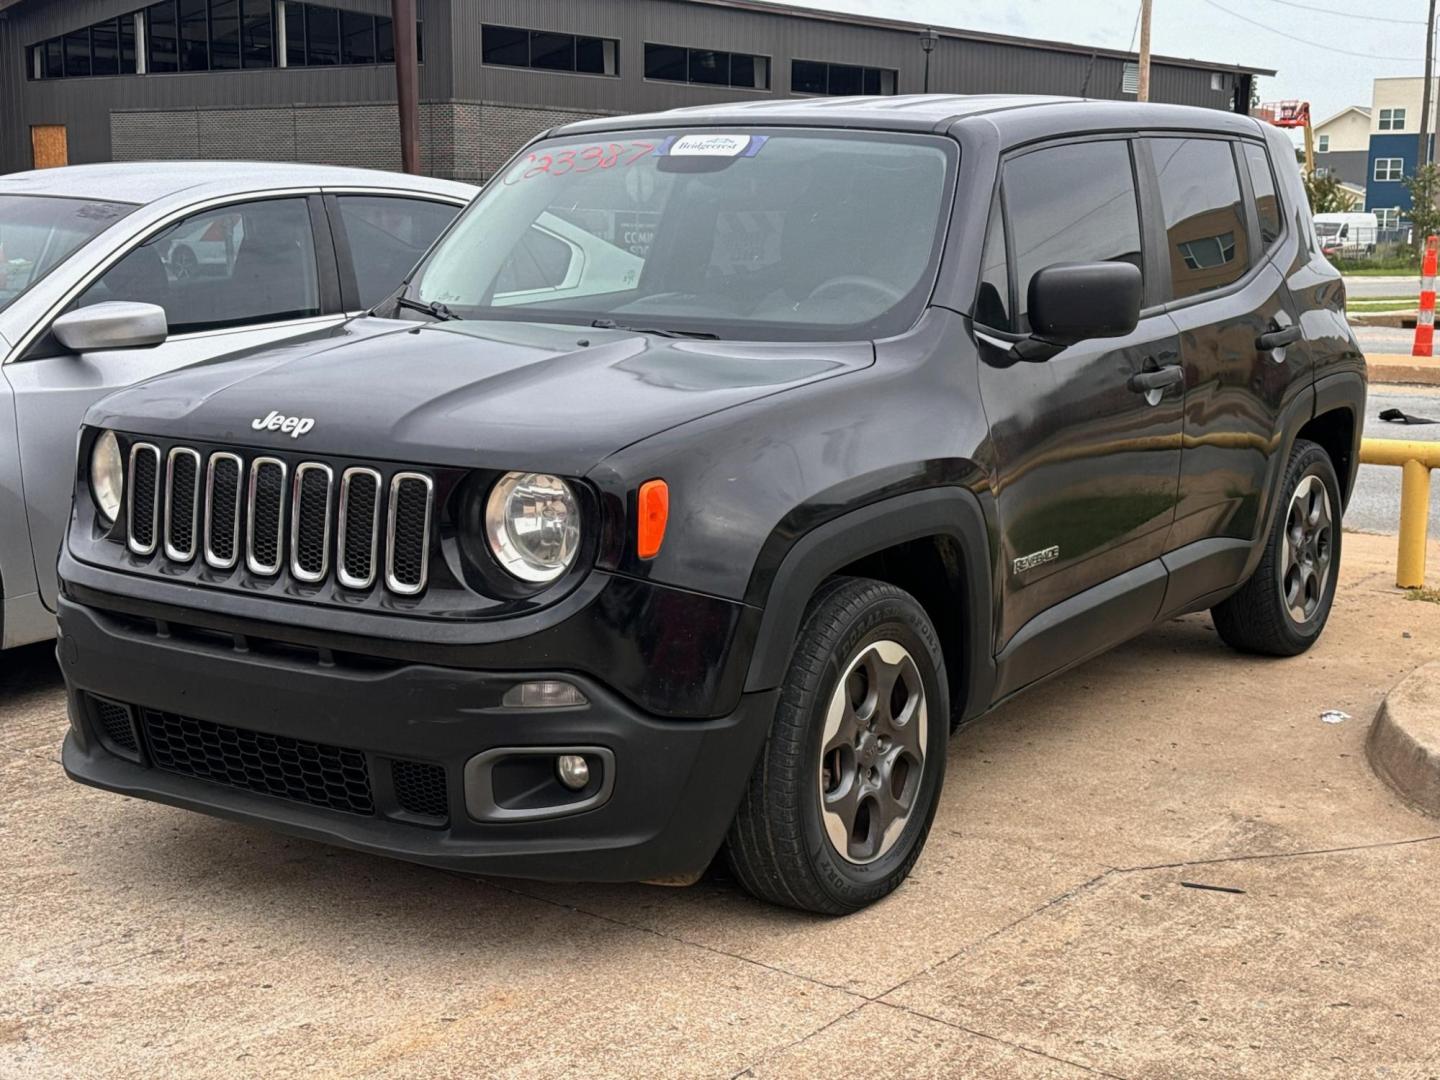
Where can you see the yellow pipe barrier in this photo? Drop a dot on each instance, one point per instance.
(1415, 459)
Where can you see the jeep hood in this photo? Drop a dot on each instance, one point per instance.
(493, 394)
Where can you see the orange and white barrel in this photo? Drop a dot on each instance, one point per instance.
(1425, 323)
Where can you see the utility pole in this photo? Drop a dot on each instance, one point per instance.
(1424, 156)
(1144, 93)
(407, 82)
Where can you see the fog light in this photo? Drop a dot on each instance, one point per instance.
(573, 771)
(543, 694)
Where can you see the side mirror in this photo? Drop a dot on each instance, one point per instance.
(116, 325)
(1073, 302)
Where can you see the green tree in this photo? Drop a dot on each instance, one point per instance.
(1424, 188)
(1326, 195)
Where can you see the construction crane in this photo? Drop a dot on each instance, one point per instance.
(1291, 114)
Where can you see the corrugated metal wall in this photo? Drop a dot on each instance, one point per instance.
(453, 70)
(957, 65)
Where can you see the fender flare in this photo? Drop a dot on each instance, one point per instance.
(950, 511)
(1344, 390)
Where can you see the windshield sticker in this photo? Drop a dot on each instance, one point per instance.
(712, 145)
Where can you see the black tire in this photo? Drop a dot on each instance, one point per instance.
(1257, 619)
(778, 847)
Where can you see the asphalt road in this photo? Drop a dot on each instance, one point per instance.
(1375, 506)
(1379, 287)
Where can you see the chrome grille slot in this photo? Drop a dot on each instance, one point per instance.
(310, 522)
(182, 503)
(359, 528)
(265, 516)
(407, 533)
(143, 520)
(223, 490)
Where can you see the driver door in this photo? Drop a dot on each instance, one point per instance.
(256, 273)
(1086, 463)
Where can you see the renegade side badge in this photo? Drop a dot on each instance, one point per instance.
(1038, 558)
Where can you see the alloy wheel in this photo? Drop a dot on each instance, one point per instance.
(872, 752)
(1307, 558)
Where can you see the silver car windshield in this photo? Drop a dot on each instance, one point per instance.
(39, 232)
(759, 234)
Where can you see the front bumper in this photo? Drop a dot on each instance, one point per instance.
(676, 783)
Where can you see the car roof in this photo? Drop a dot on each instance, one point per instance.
(145, 182)
(1018, 117)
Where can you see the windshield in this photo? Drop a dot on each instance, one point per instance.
(788, 234)
(1327, 229)
(38, 233)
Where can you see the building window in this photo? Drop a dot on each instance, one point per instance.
(1130, 78)
(707, 67)
(544, 50)
(1392, 119)
(1322, 144)
(1389, 168)
(218, 35)
(317, 35)
(840, 80)
(1388, 219)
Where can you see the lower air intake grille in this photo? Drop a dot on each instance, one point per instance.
(115, 725)
(420, 788)
(326, 776)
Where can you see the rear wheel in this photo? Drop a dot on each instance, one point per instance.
(842, 798)
(1283, 608)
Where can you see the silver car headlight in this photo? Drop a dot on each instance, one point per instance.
(107, 476)
(532, 521)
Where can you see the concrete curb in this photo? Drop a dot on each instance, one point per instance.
(1407, 370)
(1404, 742)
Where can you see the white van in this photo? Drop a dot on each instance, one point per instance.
(1347, 233)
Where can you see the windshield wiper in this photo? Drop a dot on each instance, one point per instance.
(436, 309)
(611, 324)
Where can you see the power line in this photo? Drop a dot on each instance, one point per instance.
(1313, 44)
(1347, 14)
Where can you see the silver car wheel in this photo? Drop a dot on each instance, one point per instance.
(1307, 557)
(872, 752)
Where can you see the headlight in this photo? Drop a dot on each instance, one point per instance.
(107, 476)
(532, 521)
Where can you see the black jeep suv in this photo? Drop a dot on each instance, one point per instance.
(706, 473)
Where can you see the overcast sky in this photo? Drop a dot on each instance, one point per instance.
(1314, 68)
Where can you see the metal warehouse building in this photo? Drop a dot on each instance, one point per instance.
(100, 80)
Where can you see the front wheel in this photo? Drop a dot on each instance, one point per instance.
(842, 798)
(1284, 606)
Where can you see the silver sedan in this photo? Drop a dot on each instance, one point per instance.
(110, 274)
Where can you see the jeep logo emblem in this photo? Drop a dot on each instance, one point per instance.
(294, 426)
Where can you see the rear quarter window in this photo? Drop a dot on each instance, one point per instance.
(1267, 199)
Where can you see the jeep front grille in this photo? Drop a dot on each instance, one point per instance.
(270, 519)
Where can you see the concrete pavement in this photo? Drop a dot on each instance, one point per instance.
(1049, 930)
(1365, 287)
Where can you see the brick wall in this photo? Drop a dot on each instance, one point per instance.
(458, 140)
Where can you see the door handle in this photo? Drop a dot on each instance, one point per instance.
(1143, 382)
(1278, 339)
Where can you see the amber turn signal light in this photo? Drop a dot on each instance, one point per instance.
(654, 512)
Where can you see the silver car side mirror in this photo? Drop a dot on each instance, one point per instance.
(116, 325)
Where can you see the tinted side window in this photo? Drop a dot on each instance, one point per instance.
(539, 261)
(387, 237)
(1204, 221)
(1073, 203)
(992, 301)
(231, 266)
(1267, 202)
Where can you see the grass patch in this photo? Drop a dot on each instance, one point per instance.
(1425, 596)
(1377, 267)
(1379, 307)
